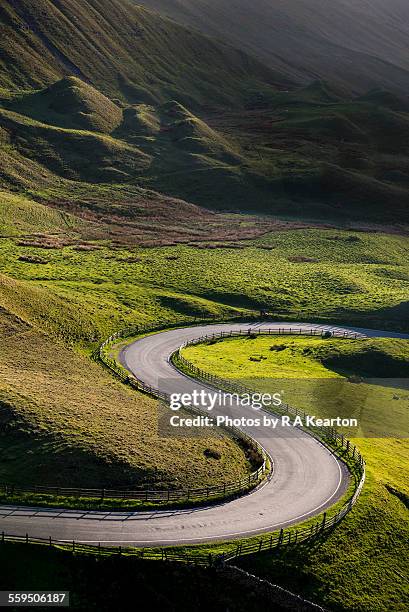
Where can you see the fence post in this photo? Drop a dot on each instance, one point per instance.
(324, 520)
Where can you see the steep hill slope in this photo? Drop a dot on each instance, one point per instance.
(65, 421)
(358, 44)
(122, 49)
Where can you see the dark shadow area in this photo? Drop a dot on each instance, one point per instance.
(111, 583)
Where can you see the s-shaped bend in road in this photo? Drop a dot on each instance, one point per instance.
(307, 477)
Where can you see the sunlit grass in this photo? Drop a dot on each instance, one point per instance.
(362, 564)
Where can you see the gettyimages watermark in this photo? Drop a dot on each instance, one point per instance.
(208, 400)
(357, 408)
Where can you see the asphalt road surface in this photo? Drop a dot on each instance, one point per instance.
(306, 479)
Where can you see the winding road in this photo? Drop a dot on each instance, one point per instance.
(306, 479)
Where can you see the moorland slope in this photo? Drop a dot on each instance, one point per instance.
(355, 44)
(121, 104)
(122, 49)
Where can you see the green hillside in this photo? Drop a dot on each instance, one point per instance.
(123, 50)
(304, 153)
(360, 565)
(327, 155)
(19, 215)
(71, 103)
(75, 154)
(68, 422)
(132, 99)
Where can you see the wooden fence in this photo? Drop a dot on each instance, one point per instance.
(267, 543)
(336, 443)
(144, 494)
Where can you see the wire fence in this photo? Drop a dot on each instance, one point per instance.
(224, 489)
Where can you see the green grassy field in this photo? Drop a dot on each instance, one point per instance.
(362, 379)
(63, 306)
(344, 276)
(362, 564)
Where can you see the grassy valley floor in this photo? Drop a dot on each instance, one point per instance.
(341, 275)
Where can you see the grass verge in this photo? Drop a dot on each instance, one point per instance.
(362, 564)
